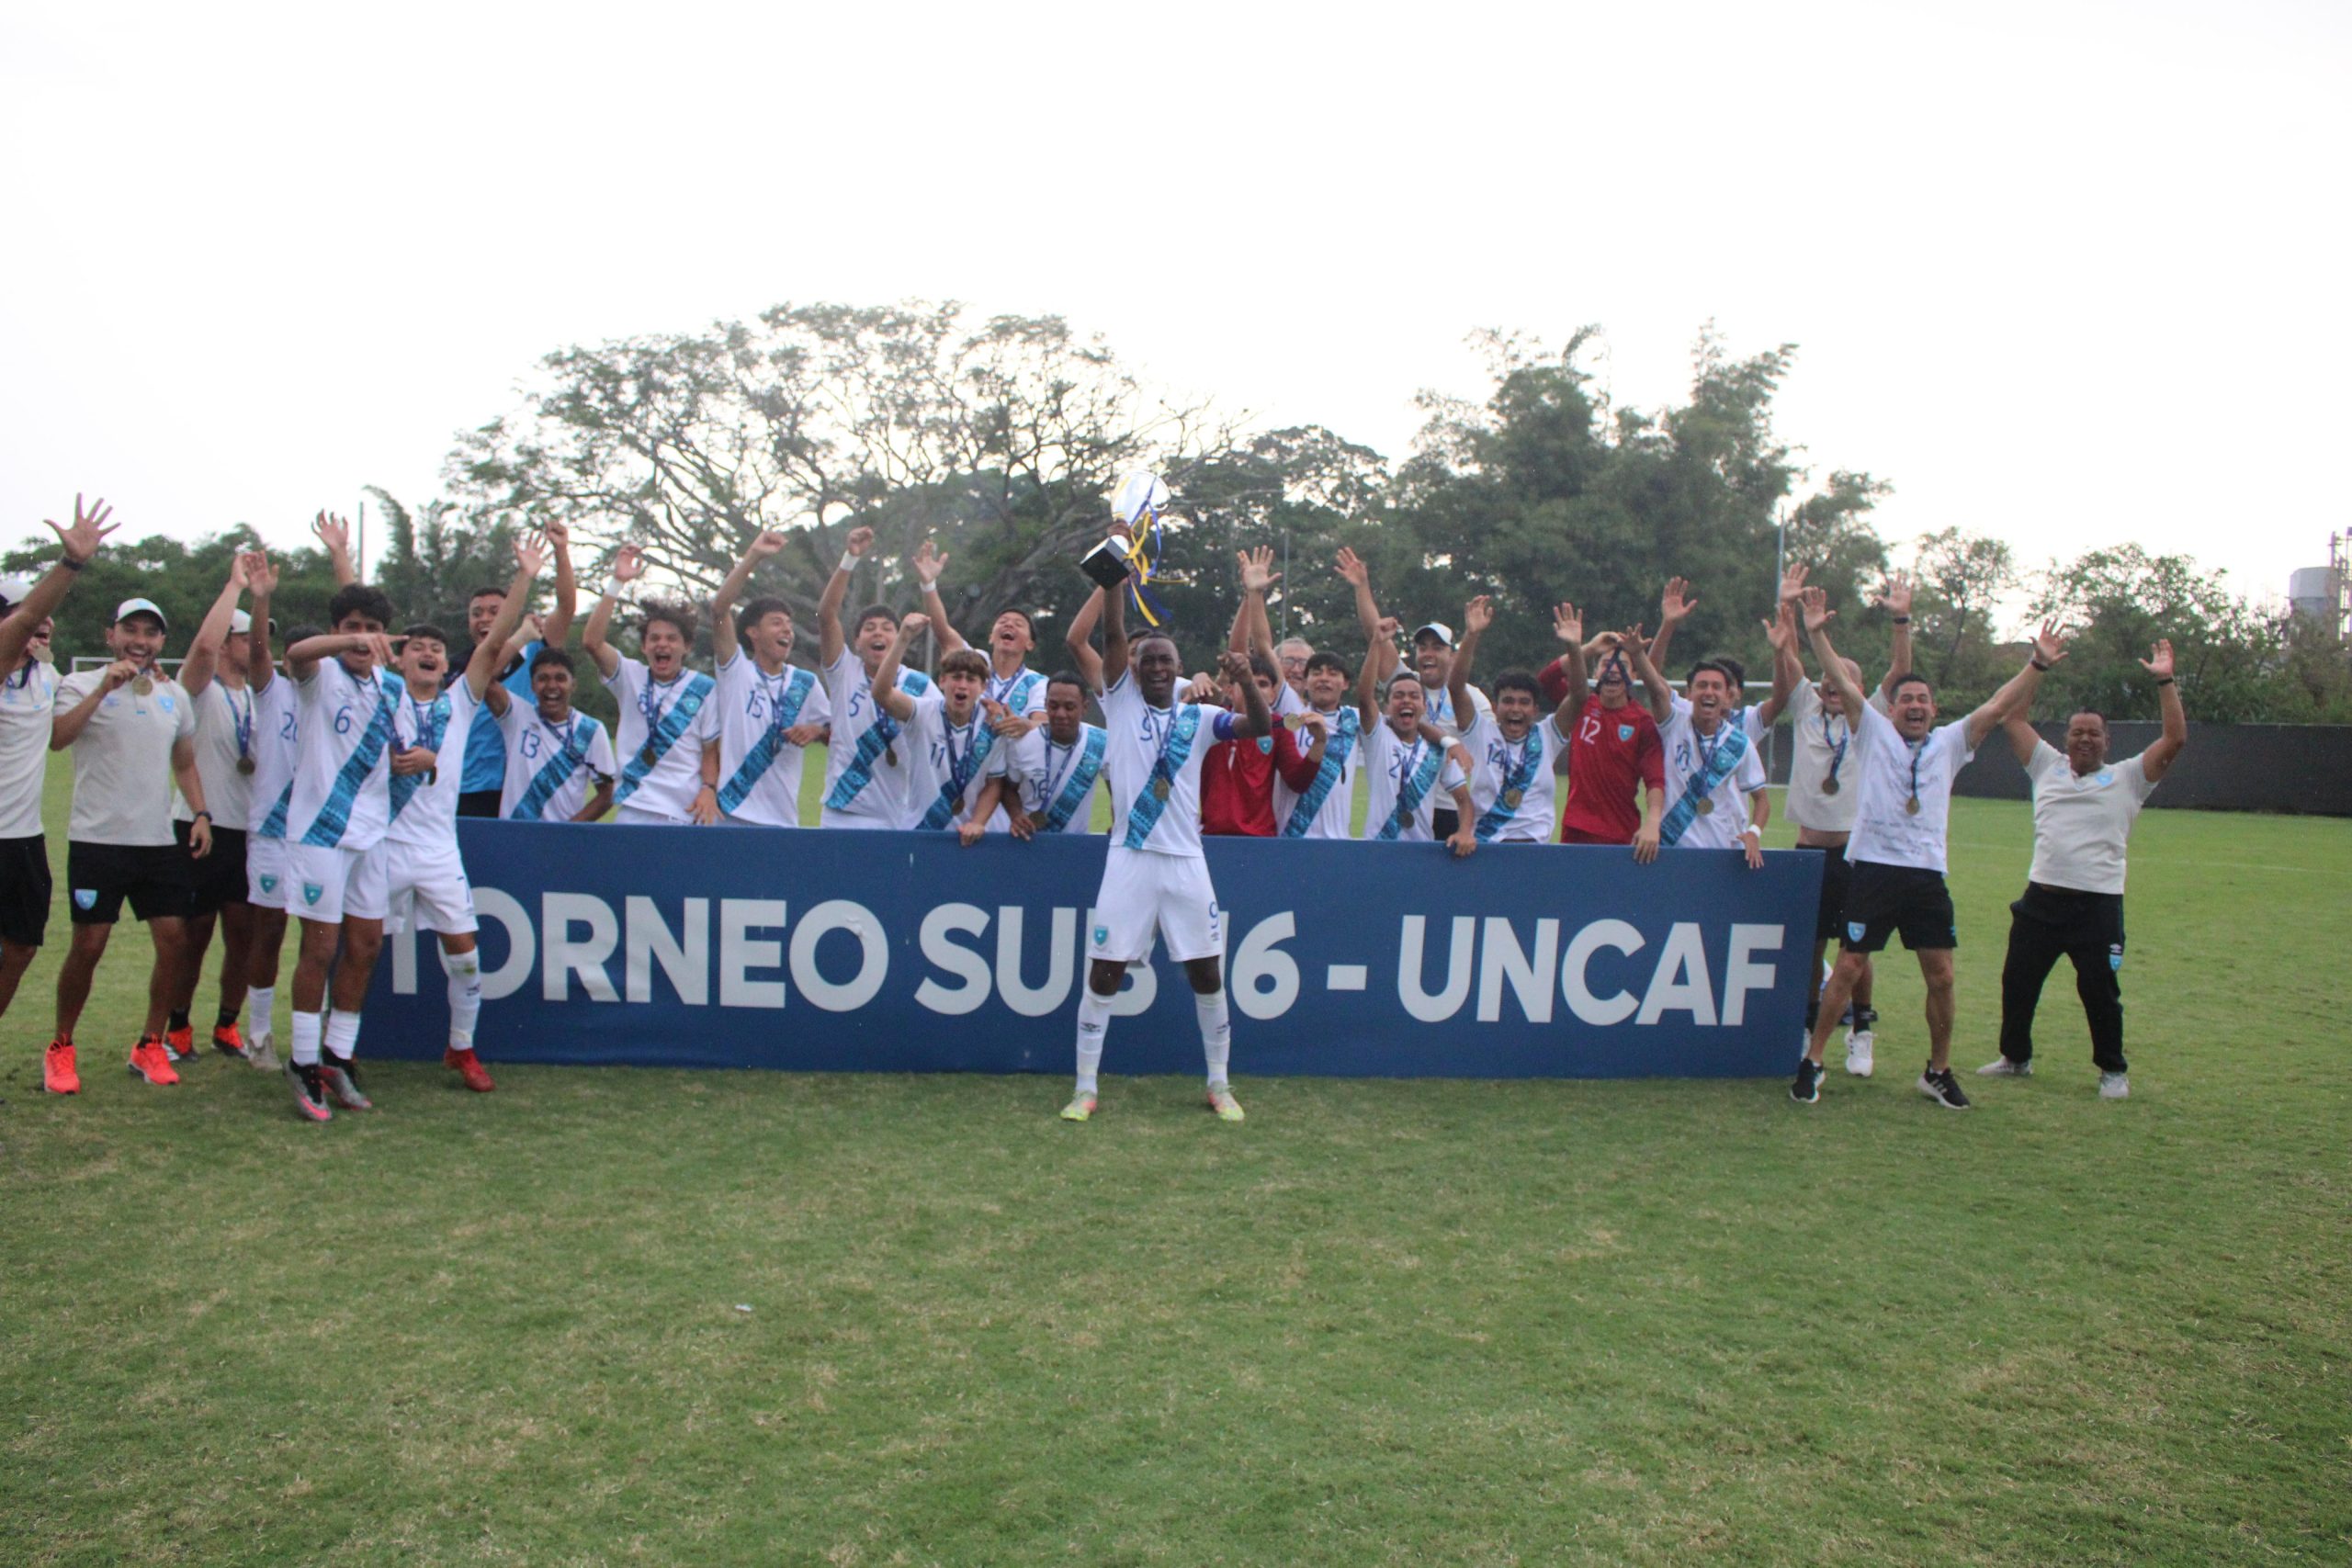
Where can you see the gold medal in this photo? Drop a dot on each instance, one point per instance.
(245, 764)
(1829, 786)
(1295, 720)
(890, 755)
(1912, 805)
(42, 652)
(143, 685)
(647, 756)
(1706, 806)
(1511, 797)
(1159, 789)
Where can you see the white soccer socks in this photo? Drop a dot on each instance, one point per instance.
(1094, 1018)
(343, 1035)
(261, 1006)
(464, 970)
(1216, 1032)
(305, 1047)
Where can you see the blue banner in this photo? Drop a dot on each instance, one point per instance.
(817, 951)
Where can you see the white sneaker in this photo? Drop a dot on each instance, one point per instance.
(2002, 1068)
(2114, 1086)
(1858, 1053)
(259, 1052)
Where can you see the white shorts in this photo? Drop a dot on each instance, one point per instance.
(333, 886)
(1143, 892)
(428, 889)
(265, 872)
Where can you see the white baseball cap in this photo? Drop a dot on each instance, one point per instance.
(240, 623)
(14, 589)
(1437, 629)
(131, 607)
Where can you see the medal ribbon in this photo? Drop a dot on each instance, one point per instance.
(1411, 788)
(782, 714)
(1079, 782)
(532, 803)
(1716, 765)
(1495, 817)
(960, 770)
(1336, 752)
(870, 744)
(432, 723)
(1175, 750)
(679, 713)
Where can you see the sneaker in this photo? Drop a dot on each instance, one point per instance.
(1859, 1044)
(58, 1074)
(228, 1042)
(262, 1053)
(310, 1091)
(1080, 1107)
(2002, 1068)
(1221, 1100)
(342, 1076)
(1807, 1089)
(2111, 1086)
(1943, 1088)
(470, 1068)
(148, 1060)
(180, 1043)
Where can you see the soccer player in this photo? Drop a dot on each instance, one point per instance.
(1155, 879)
(1410, 762)
(1710, 752)
(669, 726)
(277, 739)
(2083, 810)
(1512, 749)
(1433, 663)
(1253, 632)
(560, 762)
(28, 709)
(1012, 636)
(424, 876)
(1903, 766)
(1822, 799)
(769, 709)
(869, 774)
(949, 728)
(484, 786)
(132, 731)
(1055, 794)
(1614, 749)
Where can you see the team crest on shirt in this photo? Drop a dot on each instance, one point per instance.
(2105, 777)
(312, 892)
(1624, 732)
(1854, 930)
(85, 897)
(1266, 744)
(167, 705)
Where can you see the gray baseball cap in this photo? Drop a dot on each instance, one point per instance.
(131, 607)
(1437, 629)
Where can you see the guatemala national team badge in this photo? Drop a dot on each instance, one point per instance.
(1624, 732)
(1854, 930)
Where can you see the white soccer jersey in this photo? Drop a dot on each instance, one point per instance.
(1894, 772)
(680, 716)
(1344, 741)
(27, 705)
(1500, 765)
(1439, 701)
(759, 770)
(1022, 693)
(869, 767)
(551, 769)
(349, 728)
(970, 749)
(224, 731)
(1136, 738)
(425, 814)
(1688, 755)
(1057, 783)
(1391, 762)
(277, 740)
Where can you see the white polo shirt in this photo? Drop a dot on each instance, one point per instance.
(27, 702)
(122, 760)
(2081, 821)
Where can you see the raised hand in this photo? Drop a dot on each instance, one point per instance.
(1391, 628)
(530, 553)
(914, 626)
(1896, 595)
(1232, 668)
(81, 541)
(628, 565)
(238, 579)
(861, 539)
(1674, 605)
(1817, 612)
(1478, 614)
(1352, 567)
(1258, 573)
(2050, 642)
(2159, 660)
(334, 534)
(764, 543)
(1792, 582)
(928, 564)
(1781, 627)
(121, 673)
(1567, 623)
(558, 534)
(261, 575)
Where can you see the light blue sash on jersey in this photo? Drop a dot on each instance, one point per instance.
(532, 803)
(335, 815)
(960, 772)
(761, 756)
(1409, 792)
(1714, 767)
(436, 726)
(1336, 752)
(274, 825)
(1016, 695)
(1496, 817)
(1143, 815)
(1078, 785)
(883, 730)
(673, 724)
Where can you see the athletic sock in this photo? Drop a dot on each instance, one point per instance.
(178, 1020)
(1094, 1018)
(343, 1035)
(226, 1019)
(261, 1001)
(464, 970)
(1216, 1032)
(305, 1046)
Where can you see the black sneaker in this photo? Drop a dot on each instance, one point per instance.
(342, 1076)
(1943, 1088)
(310, 1091)
(1807, 1089)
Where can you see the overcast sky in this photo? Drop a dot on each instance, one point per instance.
(2071, 274)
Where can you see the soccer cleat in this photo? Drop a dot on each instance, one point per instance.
(1221, 1100)
(342, 1076)
(1080, 1107)
(1806, 1091)
(58, 1074)
(149, 1062)
(180, 1043)
(470, 1068)
(1940, 1086)
(228, 1042)
(2003, 1067)
(2111, 1086)
(310, 1091)
(262, 1053)
(1859, 1061)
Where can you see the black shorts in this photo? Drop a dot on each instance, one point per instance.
(219, 876)
(2074, 919)
(1829, 917)
(478, 802)
(1444, 822)
(158, 879)
(1881, 900)
(23, 890)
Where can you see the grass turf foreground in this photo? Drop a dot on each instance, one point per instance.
(1383, 1322)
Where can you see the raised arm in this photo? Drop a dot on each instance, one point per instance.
(1258, 575)
(928, 564)
(1897, 597)
(886, 696)
(1079, 640)
(334, 537)
(830, 640)
(557, 630)
(1655, 689)
(1567, 624)
(628, 567)
(2158, 759)
(2016, 696)
(78, 544)
(1258, 718)
(261, 581)
(764, 543)
(1781, 631)
(489, 653)
(1674, 608)
(204, 653)
(1477, 616)
(1359, 576)
(1379, 663)
(1114, 637)
(1818, 617)
(302, 660)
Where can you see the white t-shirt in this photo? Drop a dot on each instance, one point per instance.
(1824, 745)
(2080, 822)
(27, 701)
(1495, 760)
(1331, 817)
(568, 756)
(1045, 769)
(891, 772)
(1391, 759)
(122, 760)
(425, 814)
(1686, 754)
(224, 731)
(972, 745)
(349, 728)
(1750, 776)
(277, 740)
(750, 705)
(668, 788)
(1884, 832)
(1135, 733)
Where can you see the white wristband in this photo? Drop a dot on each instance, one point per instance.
(929, 584)
(849, 562)
(612, 588)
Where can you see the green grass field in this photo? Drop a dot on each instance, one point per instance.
(1383, 1322)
